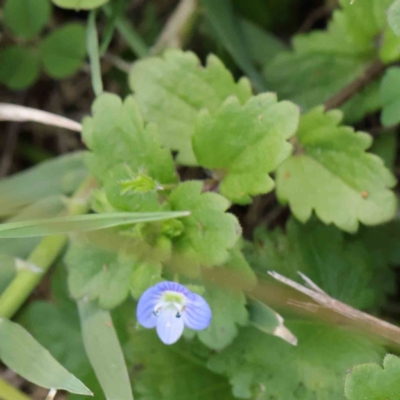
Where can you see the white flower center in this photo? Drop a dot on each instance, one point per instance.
(172, 302)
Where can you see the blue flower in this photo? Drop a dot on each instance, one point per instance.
(169, 307)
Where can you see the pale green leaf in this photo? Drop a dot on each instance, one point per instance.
(352, 269)
(26, 18)
(243, 144)
(371, 382)
(58, 176)
(394, 17)
(172, 90)
(79, 4)
(229, 311)
(79, 223)
(104, 351)
(63, 50)
(209, 232)
(390, 97)
(265, 367)
(143, 277)
(132, 178)
(335, 175)
(23, 354)
(19, 67)
(97, 274)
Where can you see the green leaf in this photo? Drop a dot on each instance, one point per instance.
(23, 354)
(344, 267)
(7, 270)
(228, 29)
(19, 67)
(371, 382)
(265, 367)
(209, 232)
(97, 274)
(63, 50)
(126, 172)
(184, 373)
(229, 311)
(79, 4)
(80, 223)
(269, 321)
(394, 17)
(26, 18)
(390, 97)
(337, 179)
(172, 90)
(243, 144)
(92, 44)
(143, 277)
(58, 176)
(104, 351)
(324, 62)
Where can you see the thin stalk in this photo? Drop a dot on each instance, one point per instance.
(8, 392)
(42, 257)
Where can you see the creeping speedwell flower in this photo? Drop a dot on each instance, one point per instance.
(170, 307)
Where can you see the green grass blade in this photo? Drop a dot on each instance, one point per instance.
(104, 351)
(110, 27)
(92, 43)
(223, 19)
(59, 176)
(81, 223)
(128, 33)
(24, 355)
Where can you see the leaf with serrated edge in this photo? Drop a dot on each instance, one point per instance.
(172, 90)
(332, 174)
(98, 274)
(371, 382)
(245, 143)
(264, 367)
(136, 151)
(209, 232)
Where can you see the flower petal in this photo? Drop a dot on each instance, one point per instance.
(169, 327)
(146, 305)
(197, 314)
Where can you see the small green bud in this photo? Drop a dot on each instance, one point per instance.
(139, 184)
(172, 228)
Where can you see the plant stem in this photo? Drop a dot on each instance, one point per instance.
(8, 392)
(42, 257)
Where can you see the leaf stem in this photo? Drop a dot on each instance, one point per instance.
(42, 257)
(8, 392)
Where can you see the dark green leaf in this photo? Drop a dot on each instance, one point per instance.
(63, 50)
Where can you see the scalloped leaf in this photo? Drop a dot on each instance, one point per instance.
(244, 143)
(137, 167)
(173, 89)
(324, 62)
(209, 232)
(264, 367)
(371, 382)
(332, 174)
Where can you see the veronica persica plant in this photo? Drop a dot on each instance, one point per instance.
(169, 307)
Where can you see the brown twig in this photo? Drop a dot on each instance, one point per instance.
(12, 112)
(372, 72)
(178, 27)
